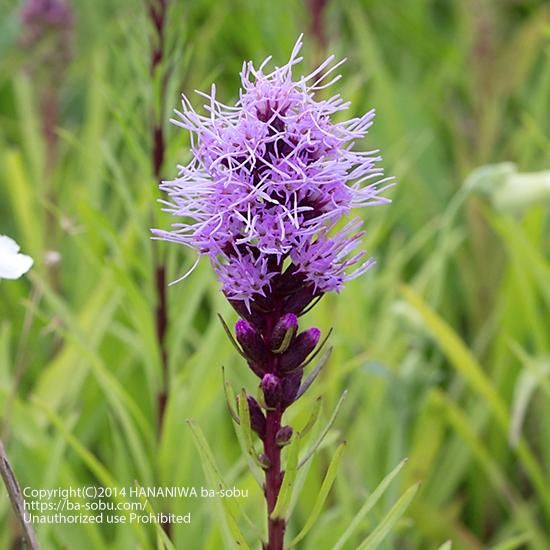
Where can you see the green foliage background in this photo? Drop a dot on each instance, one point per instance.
(443, 347)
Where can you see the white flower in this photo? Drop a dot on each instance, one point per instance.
(510, 190)
(12, 264)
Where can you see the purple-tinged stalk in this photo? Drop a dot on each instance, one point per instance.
(47, 28)
(157, 14)
(47, 35)
(264, 197)
(157, 10)
(317, 28)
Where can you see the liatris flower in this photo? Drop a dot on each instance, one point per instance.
(263, 197)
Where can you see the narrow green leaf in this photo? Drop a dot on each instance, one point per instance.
(323, 434)
(229, 397)
(227, 331)
(214, 476)
(285, 493)
(315, 411)
(322, 495)
(314, 373)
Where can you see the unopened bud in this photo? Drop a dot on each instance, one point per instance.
(283, 333)
(301, 347)
(250, 340)
(264, 461)
(283, 436)
(271, 386)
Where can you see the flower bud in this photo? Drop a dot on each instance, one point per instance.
(283, 436)
(264, 461)
(250, 340)
(284, 331)
(257, 418)
(301, 347)
(271, 386)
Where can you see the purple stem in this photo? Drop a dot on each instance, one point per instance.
(273, 480)
(161, 325)
(317, 21)
(267, 336)
(157, 16)
(273, 474)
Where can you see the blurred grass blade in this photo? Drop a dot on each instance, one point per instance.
(520, 541)
(534, 376)
(163, 541)
(24, 204)
(464, 427)
(458, 354)
(465, 363)
(387, 524)
(95, 466)
(371, 501)
(214, 476)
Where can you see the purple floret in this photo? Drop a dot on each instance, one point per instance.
(269, 181)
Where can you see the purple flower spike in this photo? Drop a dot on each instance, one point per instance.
(268, 181)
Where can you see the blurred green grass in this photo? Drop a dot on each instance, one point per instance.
(444, 346)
